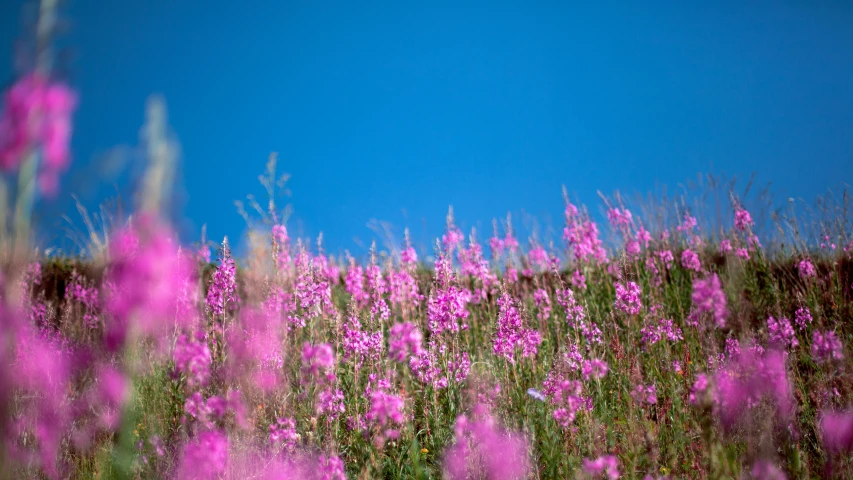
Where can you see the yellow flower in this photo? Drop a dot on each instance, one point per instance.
(664, 470)
(424, 451)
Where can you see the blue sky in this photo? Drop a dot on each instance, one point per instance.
(393, 111)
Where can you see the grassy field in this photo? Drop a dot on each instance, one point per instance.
(669, 357)
(631, 346)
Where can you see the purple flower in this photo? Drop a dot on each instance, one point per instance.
(806, 269)
(619, 218)
(628, 298)
(37, 114)
(836, 430)
(743, 220)
(826, 347)
(582, 236)
(359, 343)
(146, 275)
(700, 386)
(386, 410)
(192, 358)
(688, 224)
(317, 359)
(204, 457)
(607, 465)
(482, 450)
(645, 394)
(512, 334)
(690, 260)
(765, 470)
(283, 434)
(748, 378)
(330, 402)
(781, 333)
(404, 341)
(802, 317)
(708, 297)
(543, 303)
(667, 258)
(594, 368)
(222, 292)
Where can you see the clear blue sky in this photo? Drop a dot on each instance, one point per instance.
(380, 108)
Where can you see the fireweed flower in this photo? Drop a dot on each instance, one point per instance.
(781, 333)
(653, 333)
(283, 434)
(281, 247)
(607, 466)
(409, 257)
(474, 266)
(806, 269)
(632, 248)
(836, 430)
(426, 366)
(330, 402)
(538, 256)
(452, 236)
(576, 316)
(402, 283)
(645, 394)
(354, 281)
(582, 236)
(688, 224)
(578, 280)
(192, 358)
(386, 414)
(725, 246)
(743, 220)
(732, 347)
(204, 457)
(628, 298)
(318, 362)
(512, 334)
(543, 303)
(378, 287)
(312, 289)
(205, 413)
(826, 347)
(619, 218)
(447, 304)
(222, 292)
(802, 317)
(483, 450)
(255, 347)
(700, 386)
(667, 258)
(567, 399)
(643, 236)
(87, 297)
(404, 341)
(37, 113)
(708, 297)
(690, 261)
(765, 470)
(594, 368)
(361, 344)
(748, 378)
(145, 276)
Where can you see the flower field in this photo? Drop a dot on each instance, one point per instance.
(631, 346)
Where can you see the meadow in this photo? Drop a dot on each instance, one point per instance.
(662, 345)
